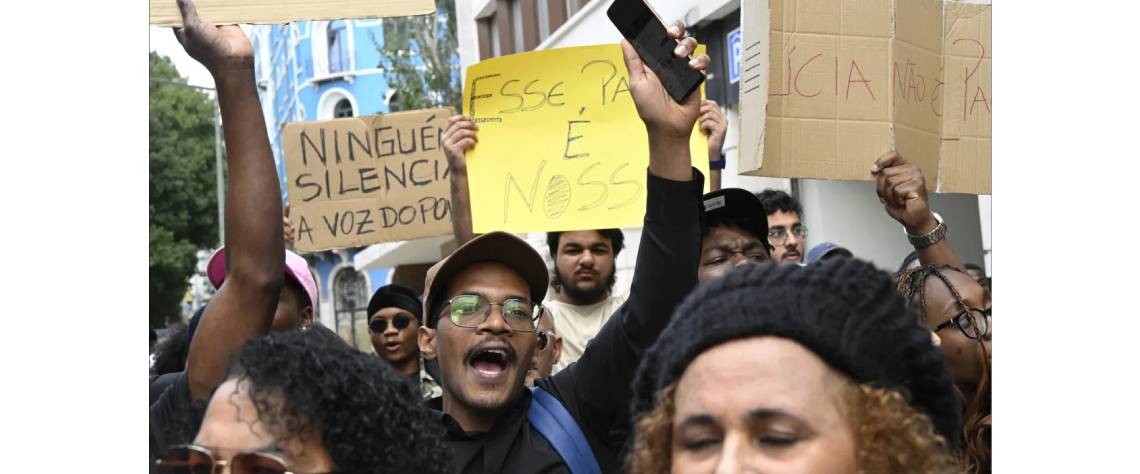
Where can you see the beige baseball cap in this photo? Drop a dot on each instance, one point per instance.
(501, 247)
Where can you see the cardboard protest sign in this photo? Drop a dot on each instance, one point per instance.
(360, 181)
(229, 12)
(561, 146)
(966, 108)
(830, 85)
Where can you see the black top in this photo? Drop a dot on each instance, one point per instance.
(597, 389)
(159, 384)
(169, 415)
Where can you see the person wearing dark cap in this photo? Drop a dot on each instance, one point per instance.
(783, 368)
(482, 303)
(826, 250)
(734, 233)
(394, 323)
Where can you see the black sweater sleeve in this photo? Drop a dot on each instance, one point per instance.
(597, 389)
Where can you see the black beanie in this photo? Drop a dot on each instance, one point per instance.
(396, 296)
(845, 311)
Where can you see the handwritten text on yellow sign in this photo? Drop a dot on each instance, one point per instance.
(560, 144)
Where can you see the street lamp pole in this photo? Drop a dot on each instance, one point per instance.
(218, 171)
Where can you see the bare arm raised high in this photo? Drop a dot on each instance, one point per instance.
(460, 136)
(244, 305)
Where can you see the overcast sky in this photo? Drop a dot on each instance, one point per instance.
(162, 41)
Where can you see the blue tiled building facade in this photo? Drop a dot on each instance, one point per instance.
(317, 70)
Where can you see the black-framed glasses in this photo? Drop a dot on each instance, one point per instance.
(192, 459)
(779, 235)
(470, 310)
(974, 323)
(379, 325)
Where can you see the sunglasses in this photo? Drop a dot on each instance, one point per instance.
(379, 325)
(191, 459)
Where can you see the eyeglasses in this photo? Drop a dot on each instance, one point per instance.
(973, 323)
(779, 235)
(469, 311)
(191, 459)
(379, 325)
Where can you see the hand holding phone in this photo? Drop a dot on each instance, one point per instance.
(656, 46)
(664, 117)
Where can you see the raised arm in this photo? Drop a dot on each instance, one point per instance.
(459, 137)
(715, 126)
(666, 267)
(902, 190)
(243, 307)
(287, 227)
(668, 124)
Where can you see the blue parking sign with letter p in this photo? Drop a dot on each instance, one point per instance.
(734, 41)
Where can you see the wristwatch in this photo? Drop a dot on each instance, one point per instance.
(717, 164)
(930, 238)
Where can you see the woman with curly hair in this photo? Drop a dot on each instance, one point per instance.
(306, 402)
(782, 368)
(954, 306)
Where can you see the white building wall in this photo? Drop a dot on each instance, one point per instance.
(849, 214)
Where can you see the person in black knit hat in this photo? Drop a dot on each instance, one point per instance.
(395, 314)
(798, 369)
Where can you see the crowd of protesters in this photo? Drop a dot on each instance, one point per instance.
(734, 350)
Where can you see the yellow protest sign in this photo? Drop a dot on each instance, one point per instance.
(560, 144)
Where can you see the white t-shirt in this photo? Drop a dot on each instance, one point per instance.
(579, 324)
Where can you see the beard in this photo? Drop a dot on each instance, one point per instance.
(579, 294)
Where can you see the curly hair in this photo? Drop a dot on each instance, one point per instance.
(890, 435)
(368, 418)
(978, 411)
(170, 354)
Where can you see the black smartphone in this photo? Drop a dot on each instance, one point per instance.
(643, 28)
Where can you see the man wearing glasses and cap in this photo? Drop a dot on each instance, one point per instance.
(394, 319)
(482, 303)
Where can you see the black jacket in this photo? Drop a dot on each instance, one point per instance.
(597, 389)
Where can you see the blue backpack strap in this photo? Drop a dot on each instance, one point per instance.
(553, 422)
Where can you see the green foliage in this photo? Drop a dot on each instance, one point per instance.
(183, 196)
(421, 59)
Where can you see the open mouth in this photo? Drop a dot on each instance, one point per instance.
(392, 346)
(491, 361)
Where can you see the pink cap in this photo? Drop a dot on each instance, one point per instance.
(295, 267)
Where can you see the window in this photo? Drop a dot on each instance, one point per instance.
(517, 26)
(572, 7)
(338, 47)
(496, 44)
(336, 102)
(350, 305)
(393, 101)
(343, 108)
(543, 20)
